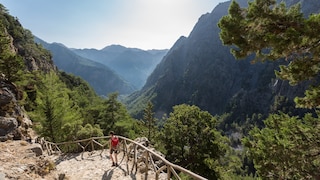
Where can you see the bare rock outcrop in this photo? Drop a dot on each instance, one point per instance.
(22, 160)
(14, 123)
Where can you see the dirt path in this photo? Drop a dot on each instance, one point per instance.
(93, 166)
(19, 162)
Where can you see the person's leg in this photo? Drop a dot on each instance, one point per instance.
(116, 157)
(111, 151)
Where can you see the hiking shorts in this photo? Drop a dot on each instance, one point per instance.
(115, 150)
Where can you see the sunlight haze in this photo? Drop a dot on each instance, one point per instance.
(144, 24)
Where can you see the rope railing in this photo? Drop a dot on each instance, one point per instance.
(128, 149)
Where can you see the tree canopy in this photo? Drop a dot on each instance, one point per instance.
(11, 65)
(191, 140)
(271, 31)
(287, 148)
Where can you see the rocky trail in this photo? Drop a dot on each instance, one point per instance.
(20, 160)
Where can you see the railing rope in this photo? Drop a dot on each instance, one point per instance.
(148, 155)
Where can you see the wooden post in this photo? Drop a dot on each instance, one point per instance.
(127, 154)
(135, 157)
(147, 164)
(92, 145)
(168, 172)
(170, 167)
(159, 171)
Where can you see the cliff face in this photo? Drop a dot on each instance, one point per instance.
(14, 123)
(199, 70)
(36, 58)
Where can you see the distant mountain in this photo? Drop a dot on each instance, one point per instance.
(199, 70)
(100, 77)
(134, 65)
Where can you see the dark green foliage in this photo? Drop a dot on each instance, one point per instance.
(11, 65)
(89, 131)
(191, 140)
(55, 109)
(110, 113)
(62, 107)
(114, 116)
(287, 148)
(271, 31)
(149, 121)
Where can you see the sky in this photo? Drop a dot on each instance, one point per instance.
(144, 24)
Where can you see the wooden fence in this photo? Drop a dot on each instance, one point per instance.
(129, 148)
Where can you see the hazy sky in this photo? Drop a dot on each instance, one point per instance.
(145, 24)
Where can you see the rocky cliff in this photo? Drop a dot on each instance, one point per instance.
(199, 70)
(14, 123)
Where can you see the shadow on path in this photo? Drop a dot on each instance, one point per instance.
(109, 173)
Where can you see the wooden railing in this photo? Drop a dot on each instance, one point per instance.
(129, 148)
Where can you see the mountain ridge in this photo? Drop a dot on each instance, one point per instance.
(103, 79)
(133, 64)
(199, 70)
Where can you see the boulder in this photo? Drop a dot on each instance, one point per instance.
(7, 125)
(14, 123)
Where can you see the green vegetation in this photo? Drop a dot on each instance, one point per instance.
(11, 65)
(286, 148)
(149, 121)
(54, 110)
(191, 140)
(277, 33)
(64, 107)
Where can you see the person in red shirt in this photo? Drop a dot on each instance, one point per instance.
(114, 142)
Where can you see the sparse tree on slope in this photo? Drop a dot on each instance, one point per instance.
(149, 120)
(114, 116)
(111, 114)
(11, 65)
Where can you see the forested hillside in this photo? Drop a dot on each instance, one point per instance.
(257, 69)
(35, 96)
(224, 118)
(61, 106)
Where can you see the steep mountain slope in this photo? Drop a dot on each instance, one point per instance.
(20, 60)
(133, 64)
(199, 70)
(99, 76)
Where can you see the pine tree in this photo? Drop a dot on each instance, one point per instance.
(271, 31)
(55, 109)
(287, 148)
(149, 120)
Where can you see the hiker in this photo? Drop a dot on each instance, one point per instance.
(114, 141)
